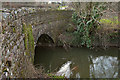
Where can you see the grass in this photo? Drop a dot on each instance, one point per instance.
(112, 21)
(54, 76)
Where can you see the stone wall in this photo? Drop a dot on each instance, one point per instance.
(19, 34)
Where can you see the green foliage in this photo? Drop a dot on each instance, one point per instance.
(75, 17)
(87, 22)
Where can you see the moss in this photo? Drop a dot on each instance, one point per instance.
(28, 40)
(49, 22)
(26, 37)
(25, 53)
(31, 41)
(14, 30)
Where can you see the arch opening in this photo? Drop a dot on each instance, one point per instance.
(45, 40)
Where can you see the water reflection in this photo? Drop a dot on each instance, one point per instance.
(104, 67)
(79, 62)
(65, 70)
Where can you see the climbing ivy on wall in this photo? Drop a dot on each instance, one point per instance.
(86, 21)
(28, 40)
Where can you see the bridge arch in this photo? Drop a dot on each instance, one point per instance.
(45, 40)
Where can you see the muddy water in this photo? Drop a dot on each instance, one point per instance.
(78, 62)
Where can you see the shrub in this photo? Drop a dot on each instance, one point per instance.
(87, 21)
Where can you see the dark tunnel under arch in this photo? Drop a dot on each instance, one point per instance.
(44, 40)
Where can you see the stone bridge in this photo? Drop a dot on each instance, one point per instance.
(21, 32)
(52, 23)
(16, 43)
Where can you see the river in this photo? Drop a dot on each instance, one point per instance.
(78, 62)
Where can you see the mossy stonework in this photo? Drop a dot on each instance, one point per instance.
(20, 35)
(28, 41)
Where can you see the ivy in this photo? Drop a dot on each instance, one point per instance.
(87, 22)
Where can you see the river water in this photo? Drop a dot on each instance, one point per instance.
(78, 62)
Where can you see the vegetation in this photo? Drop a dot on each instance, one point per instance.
(87, 21)
(29, 40)
(14, 30)
(62, 8)
(110, 21)
(50, 75)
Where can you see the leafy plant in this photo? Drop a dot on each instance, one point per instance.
(87, 21)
